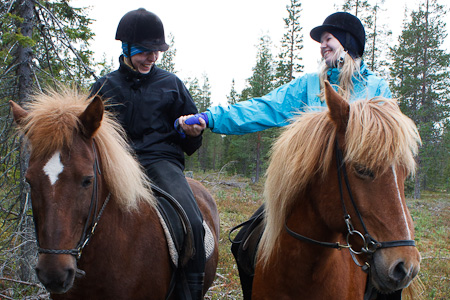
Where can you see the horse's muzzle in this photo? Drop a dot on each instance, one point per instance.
(391, 275)
(56, 272)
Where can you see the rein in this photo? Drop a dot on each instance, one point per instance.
(370, 244)
(89, 229)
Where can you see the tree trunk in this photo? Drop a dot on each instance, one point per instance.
(417, 180)
(25, 83)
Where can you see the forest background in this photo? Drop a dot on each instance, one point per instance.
(47, 43)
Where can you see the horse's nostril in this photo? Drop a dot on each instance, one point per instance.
(399, 272)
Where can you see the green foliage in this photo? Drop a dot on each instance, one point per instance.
(62, 36)
(420, 80)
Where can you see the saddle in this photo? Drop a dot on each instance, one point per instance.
(177, 226)
(245, 247)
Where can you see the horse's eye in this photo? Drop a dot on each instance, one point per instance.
(87, 181)
(364, 172)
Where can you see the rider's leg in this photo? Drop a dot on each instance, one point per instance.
(169, 177)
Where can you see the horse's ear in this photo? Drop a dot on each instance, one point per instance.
(18, 112)
(339, 109)
(92, 117)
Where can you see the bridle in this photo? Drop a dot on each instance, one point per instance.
(370, 245)
(89, 228)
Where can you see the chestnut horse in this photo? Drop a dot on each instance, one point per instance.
(83, 177)
(336, 182)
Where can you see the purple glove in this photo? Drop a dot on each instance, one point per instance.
(195, 119)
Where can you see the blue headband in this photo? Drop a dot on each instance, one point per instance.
(134, 49)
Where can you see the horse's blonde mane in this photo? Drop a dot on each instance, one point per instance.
(51, 124)
(378, 136)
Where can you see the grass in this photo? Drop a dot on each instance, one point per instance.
(236, 205)
(431, 215)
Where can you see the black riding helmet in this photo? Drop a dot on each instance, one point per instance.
(142, 28)
(345, 27)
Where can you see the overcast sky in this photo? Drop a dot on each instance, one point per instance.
(219, 37)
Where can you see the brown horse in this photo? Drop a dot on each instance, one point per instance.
(336, 181)
(83, 177)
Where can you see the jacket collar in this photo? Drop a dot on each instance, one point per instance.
(132, 75)
(333, 73)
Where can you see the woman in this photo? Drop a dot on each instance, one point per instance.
(147, 100)
(342, 41)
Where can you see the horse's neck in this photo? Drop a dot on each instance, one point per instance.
(306, 269)
(305, 221)
(120, 226)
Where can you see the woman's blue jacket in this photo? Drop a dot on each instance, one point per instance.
(283, 103)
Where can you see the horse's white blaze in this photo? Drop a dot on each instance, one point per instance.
(405, 219)
(54, 167)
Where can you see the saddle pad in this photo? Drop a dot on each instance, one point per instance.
(174, 255)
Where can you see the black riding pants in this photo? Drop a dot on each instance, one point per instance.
(169, 177)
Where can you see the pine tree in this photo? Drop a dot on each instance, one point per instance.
(378, 41)
(359, 8)
(420, 79)
(289, 59)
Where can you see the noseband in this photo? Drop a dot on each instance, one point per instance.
(370, 245)
(89, 229)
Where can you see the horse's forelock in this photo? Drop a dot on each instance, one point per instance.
(379, 136)
(52, 121)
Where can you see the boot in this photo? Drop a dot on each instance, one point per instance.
(195, 283)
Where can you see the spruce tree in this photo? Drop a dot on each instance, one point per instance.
(420, 79)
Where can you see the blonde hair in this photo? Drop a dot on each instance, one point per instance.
(348, 68)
